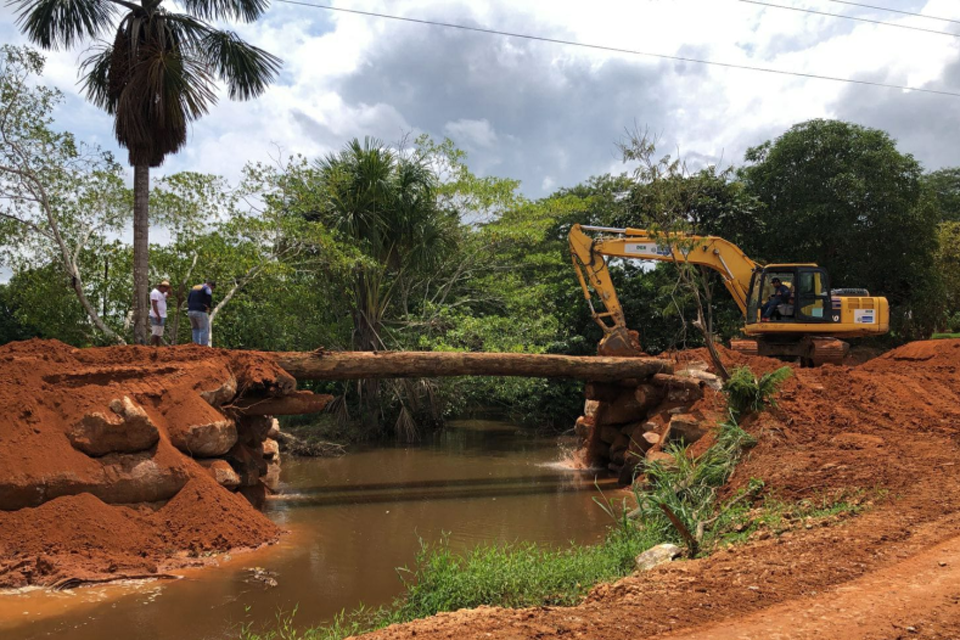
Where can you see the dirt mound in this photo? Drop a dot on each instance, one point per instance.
(884, 423)
(101, 452)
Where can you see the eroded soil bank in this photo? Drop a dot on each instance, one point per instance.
(129, 461)
(889, 427)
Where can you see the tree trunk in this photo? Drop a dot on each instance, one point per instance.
(360, 365)
(141, 252)
(365, 339)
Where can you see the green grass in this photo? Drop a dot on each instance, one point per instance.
(943, 336)
(687, 488)
(774, 516)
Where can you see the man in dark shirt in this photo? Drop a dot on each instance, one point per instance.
(199, 305)
(780, 295)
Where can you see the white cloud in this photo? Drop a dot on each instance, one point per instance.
(476, 133)
(550, 114)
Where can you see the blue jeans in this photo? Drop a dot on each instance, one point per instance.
(770, 306)
(200, 323)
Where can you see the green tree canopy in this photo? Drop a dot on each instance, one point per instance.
(944, 186)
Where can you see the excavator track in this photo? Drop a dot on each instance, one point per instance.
(811, 351)
(827, 351)
(746, 347)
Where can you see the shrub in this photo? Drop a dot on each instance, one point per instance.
(748, 394)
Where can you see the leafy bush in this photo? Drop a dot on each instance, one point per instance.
(953, 323)
(687, 488)
(748, 394)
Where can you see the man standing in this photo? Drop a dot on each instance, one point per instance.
(158, 312)
(199, 305)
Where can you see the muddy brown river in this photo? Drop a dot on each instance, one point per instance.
(352, 521)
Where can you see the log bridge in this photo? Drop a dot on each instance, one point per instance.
(359, 365)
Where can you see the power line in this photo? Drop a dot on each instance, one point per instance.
(888, 9)
(600, 47)
(855, 18)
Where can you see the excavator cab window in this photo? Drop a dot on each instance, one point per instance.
(786, 311)
(813, 295)
(761, 290)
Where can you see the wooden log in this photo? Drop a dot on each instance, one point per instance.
(602, 391)
(630, 406)
(299, 403)
(356, 365)
(647, 395)
(677, 382)
(678, 389)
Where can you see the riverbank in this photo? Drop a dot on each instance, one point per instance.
(351, 521)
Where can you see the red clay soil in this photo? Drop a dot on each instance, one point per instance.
(69, 516)
(889, 427)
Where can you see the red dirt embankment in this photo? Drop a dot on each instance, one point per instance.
(890, 427)
(127, 461)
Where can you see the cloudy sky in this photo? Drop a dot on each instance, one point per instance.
(550, 114)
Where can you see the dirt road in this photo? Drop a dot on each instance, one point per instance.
(919, 597)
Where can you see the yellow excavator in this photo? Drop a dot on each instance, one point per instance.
(805, 319)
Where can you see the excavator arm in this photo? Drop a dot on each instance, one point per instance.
(590, 263)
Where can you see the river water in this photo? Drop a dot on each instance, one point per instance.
(352, 521)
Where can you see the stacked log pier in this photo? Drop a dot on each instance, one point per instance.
(630, 422)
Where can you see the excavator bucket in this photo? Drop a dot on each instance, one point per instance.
(621, 343)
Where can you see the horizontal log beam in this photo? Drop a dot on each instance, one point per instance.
(356, 365)
(299, 403)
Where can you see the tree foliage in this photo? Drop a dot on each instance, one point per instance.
(944, 187)
(60, 200)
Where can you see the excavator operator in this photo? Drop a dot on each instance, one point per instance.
(780, 295)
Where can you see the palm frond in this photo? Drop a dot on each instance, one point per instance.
(53, 24)
(97, 71)
(165, 91)
(244, 10)
(246, 69)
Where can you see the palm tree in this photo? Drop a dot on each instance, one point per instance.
(385, 203)
(155, 77)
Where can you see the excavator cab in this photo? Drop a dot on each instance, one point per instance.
(809, 299)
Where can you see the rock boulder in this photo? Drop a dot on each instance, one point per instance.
(655, 556)
(128, 430)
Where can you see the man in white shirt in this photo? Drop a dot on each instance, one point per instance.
(158, 312)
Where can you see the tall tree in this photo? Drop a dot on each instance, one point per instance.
(384, 203)
(59, 199)
(843, 196)
(155, 77)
